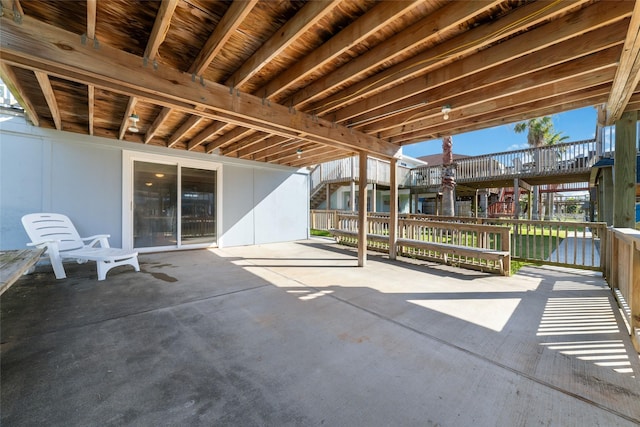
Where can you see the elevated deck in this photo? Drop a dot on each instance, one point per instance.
(556, 164)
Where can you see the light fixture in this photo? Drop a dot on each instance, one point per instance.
(148, 184)
(446, 109)
(299, 152)
(134, 123)
(159, 175)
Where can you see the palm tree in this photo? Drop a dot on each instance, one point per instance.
(540, 132)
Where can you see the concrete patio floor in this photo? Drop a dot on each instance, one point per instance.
(293, 334)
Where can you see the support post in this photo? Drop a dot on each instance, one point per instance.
(362, 211)
(328, 196)
(624, 180)
(374, 200)
(516, 198)
(606, 197)
(393, 208)
(353, 183)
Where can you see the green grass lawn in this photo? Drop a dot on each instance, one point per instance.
(323, 233)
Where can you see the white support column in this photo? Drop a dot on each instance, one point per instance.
(362, 211)
(393, 208)
(328, 195)
(374, 201)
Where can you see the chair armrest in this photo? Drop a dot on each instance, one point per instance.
(42, 243)
(102, 239)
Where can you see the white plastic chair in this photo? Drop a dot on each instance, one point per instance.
(57, 233)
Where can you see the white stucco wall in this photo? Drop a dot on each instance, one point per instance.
(43, 170)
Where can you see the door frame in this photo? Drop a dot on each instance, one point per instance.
(128, 159)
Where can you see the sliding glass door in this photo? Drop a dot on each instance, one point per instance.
(173, 205)
(198, 203)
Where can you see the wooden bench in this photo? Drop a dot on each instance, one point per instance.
(503, 257)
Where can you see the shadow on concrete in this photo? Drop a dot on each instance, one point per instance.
(254, 336)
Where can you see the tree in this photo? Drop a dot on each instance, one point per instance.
(540, 132)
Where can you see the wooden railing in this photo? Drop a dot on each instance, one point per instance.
(483, 247)
(556, 159)
(622, 270)
(342, 170)
(562, 243)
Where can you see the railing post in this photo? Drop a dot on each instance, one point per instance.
(393, 208)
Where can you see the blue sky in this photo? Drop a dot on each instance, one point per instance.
(576, 124)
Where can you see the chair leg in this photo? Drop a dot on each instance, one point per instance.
(56, 263)
(104, 266)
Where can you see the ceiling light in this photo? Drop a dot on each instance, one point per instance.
(445, 111)
(299, 152)
(148, 184)
(159, 175)
(134, 123)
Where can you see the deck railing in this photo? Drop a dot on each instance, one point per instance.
(562, 243)
(566, 158)
(622, 270)
(342, 170)
(452, 240)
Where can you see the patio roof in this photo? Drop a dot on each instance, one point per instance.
(295, 334)
(298, 83)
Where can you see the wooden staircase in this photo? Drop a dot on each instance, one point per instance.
(320, 194)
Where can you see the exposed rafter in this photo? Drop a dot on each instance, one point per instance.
(238, 10)
(49, 95)
(125, 73)
(628, 73)
(9, 78)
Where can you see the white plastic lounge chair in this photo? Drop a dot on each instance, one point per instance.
(57, 233)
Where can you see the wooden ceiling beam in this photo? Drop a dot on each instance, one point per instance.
(124, 124)
(546, 82)
(11, 80)
(524, 103)
(50, 97)
(249, 151)
(370, 23)
(289, 147)
(91, 104)
(628, 74)
(157, 36)
(233, 149)
(322, 156)
(508, 116)
(232, 19)
(189, 124)
(465, 44)
(157, 124)
(160, 28)
(577, 34)
(304, 20)
(206, 133)
(92, 9)
(230, 137)
(522, 73)
(419, 34)
(310, 14)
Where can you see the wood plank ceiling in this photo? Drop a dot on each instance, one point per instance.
(297, 83)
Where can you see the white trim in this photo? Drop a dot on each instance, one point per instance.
(128, 159)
